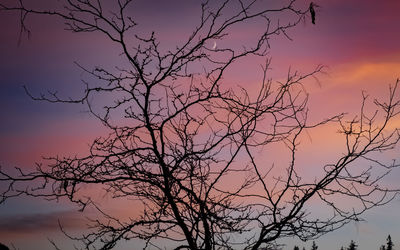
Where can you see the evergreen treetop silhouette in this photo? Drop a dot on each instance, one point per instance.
(314, 246)
(352, 246)
(389, 243)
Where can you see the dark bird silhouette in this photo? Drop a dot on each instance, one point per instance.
(312, 12)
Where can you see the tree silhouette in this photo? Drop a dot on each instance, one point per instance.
(314, 246)
(352, 246)
(3, 247)
(296, 248)
(389, 243)
(178, 136)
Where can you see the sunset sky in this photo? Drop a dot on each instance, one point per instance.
(358, 42)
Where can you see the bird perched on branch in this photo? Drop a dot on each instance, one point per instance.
(312, 12)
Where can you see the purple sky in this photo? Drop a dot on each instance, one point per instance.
(358, 41)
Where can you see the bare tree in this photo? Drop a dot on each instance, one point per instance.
(178, 135)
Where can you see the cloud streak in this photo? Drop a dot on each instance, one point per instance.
(39, 222)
